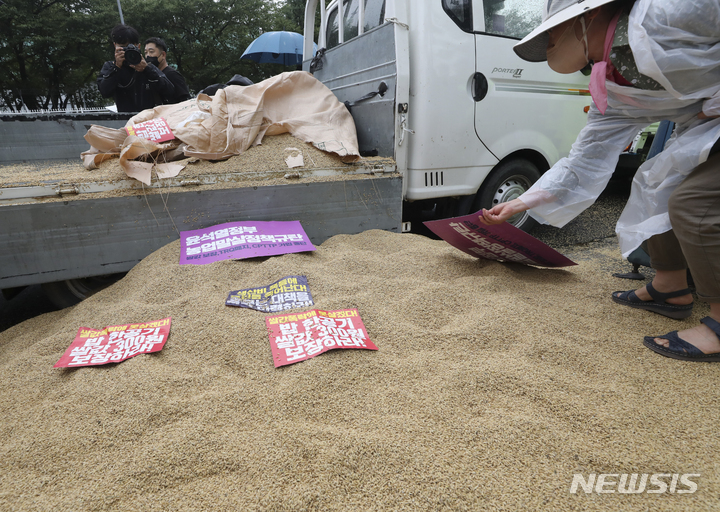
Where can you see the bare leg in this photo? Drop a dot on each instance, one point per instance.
(701, 336)
(667, 281)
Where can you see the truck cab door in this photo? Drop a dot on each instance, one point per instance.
(521, 105)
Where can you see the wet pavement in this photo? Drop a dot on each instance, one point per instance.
(594, 224)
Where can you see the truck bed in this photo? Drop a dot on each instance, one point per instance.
(59, 221)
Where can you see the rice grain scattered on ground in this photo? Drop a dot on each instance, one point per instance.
(493, 385)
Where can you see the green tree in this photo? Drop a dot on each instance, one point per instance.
(205, 38)
(52, 50)
(292, 17)
(49, 51)
(293, 12)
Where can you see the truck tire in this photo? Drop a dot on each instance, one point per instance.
(507, 182)
(68, 293)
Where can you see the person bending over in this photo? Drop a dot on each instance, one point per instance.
(652, 60)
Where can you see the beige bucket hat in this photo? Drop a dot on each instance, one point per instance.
(533, 47)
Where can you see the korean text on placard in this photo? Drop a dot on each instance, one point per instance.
(115, 343)
(288, 293)
(301, 336)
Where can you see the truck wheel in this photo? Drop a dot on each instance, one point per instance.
(68, 293)
(506, 182)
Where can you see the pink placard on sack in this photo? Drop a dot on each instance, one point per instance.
(114, 343)
(502, 242)
(301, 336)
(155, 130)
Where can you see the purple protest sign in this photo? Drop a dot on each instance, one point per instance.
(503, 242)
(240, 240)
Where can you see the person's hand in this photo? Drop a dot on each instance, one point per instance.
(702, 115)
(502, 212)
(140, 66)
(119, 56)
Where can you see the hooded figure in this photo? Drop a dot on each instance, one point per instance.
(652, 60)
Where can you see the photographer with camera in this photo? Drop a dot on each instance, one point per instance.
(134, 83)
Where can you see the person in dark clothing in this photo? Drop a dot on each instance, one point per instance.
(135, 87)
(156, 53)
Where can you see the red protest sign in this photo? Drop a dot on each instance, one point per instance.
(114, 343)
(295, 338)
(155, 130)
(503, 242)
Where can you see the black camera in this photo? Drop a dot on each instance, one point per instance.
(132, 54)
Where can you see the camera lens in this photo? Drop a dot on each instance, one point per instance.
(132, 55)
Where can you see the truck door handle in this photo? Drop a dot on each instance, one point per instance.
(316, 63)
(479, 86)
(382, 89)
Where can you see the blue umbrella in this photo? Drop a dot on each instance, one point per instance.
(277, 48)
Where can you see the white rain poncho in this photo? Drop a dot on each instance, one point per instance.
(676, 43)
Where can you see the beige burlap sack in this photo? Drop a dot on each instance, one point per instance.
(238, 117)
(106, 143)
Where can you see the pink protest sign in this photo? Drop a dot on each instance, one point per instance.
(502, 242)
(156, 130)
(114, 343)
(295, 338)
(240, 240)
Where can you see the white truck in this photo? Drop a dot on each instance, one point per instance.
(435, 85)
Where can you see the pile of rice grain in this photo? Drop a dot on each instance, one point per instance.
(493, 385)
(268, 156)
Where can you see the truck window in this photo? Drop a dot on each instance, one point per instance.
(374, 16)
(333, 32)
(374, 13)
(351, 15)
(460, 11)
(512, 18)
